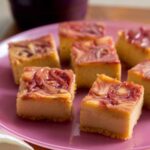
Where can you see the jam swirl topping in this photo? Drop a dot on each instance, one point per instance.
(90, 51)
(143, 68)
(115, 93)
(95, 53)
(31, 48)
(140, 37)
(50, 81)
(85, 28)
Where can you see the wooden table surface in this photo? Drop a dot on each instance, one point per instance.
(8, 26)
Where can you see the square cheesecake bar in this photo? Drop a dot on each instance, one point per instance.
(36, 52)
(70, 32)
(111, 107)
(46, 93)
(92, 57)
(133, 46)
(141, 74)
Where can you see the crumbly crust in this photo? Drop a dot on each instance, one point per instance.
(55, 119)
(104, 132)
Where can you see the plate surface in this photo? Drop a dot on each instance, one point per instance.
(61, 135)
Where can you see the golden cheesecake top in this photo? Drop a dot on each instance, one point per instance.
(46, 81)
(93, 51)
(143, 69)
(81, 29)
(30, 48)
(139, 37)
(111, 92)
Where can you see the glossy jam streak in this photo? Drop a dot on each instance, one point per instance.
(143, 68)
(41, 47)
(95, 52)
(50, 81)
(117, 93)
(129, 92)
(37, 48)
(141, 37)
(90, 28)
(26, 53)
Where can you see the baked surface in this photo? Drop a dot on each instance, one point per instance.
(92, 57)
(141, 74)
(69, 32)
(46, 93)
(37, 52)
(133, 46)
(111, 107)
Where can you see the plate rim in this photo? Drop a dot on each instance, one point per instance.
(34, 141)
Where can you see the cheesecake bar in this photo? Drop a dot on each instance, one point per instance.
(36, 52)
(77, 30)
(141, 74)
(111, 107)
(92, 57)
(46, 93)
(133, 46)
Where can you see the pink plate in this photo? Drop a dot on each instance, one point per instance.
(61, 135)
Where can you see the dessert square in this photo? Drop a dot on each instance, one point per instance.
(70, 32)
(92, 57)
(111, 107)
(46, 93)
(133, 46)
(141, 74)
(37, 52)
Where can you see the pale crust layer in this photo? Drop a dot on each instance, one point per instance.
(55, 119)
(103, 132)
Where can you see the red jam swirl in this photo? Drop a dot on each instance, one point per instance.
(113, 96)
(96, 53)
(49, 80)
(143, 68)
(87, 28)
(39, 47)
(141, 37)
(93, 52)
